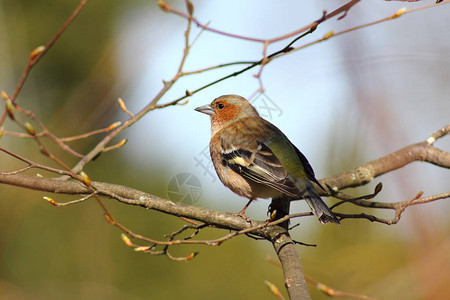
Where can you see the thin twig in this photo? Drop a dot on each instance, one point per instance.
(323, 287)
(91, 133)
(288, 50)
(343, 9)
(35, 57)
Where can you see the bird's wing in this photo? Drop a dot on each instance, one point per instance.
(258, 163)
(308, 169)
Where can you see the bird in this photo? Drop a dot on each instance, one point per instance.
(255, 159)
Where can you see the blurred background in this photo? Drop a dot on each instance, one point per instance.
(343, 102)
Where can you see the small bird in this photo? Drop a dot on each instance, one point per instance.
(254, 159)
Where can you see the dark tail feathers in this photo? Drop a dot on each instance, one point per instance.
(318, 207)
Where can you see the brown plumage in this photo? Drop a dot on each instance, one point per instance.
(254, 159)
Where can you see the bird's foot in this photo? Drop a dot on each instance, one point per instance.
(244, 216)
(242, 212)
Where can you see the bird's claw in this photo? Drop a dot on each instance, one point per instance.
(244, 216)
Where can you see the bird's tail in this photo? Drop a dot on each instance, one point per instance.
(318, 207)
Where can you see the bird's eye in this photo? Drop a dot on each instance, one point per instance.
(220, 106)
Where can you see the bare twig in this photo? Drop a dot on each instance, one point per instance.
(274, 289)
(60, 204)
(343, 9)
(279, 236)
(356, 177)
(367, 172)
(288, 49)
(39, 52)
(323, 287)
(149, 107)
(91, 133)
(276, 230)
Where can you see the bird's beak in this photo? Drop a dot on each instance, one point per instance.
(206, 109)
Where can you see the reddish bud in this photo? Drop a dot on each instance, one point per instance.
(126, 240)
(191, 256)
(190, 7)
(114, 125)
(273, 288)
(86, 179)
(164, 6)
(399, 12)
(36, 52)
(122, 142)
(142, 248)
(4, 95)
(109, 219)
(50, 200)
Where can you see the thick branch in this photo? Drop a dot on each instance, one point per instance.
(356, 177)
(294, 278)
(292, 267)
(367, 172)
(278, 235)
(131, 196)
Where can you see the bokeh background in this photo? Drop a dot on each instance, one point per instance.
(343, 102)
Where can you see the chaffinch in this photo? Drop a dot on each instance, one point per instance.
(255, 159)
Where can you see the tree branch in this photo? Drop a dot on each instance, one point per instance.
(294, 278)
(277, 235)
(39, 52)
(274, 231)
(362, 175)
(357, 177)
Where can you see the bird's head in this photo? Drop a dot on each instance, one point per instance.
(227, 109)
